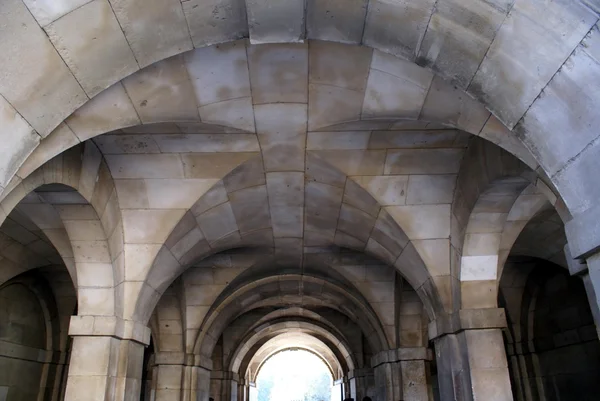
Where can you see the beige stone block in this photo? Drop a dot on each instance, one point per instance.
(387, 190)
(111, 144)
(91, 251)
(430, 189)
(235, 113)
(486, 222)
(440, 138)
(191, 143)
(187, 243)
(217, 222)
(355, 222)
(94, 274)
(319, 170)
(422, 222)
(287, 221)
(423, 161)
(276, 23)
(47, 11)
(86, 388)
(449, 105)
(138, 260)
(344, 240)
(486, 349)
(497, 133)
(435, 254)
(282, 135)
(56, 142)
(380, 252)
(387, 95)
(85, 230)
(340, 65)
(96, 51)
(96, 301)
(336, 21)
(357, 196)
(279, 73)
(329, 105)
(251, 208)
(110, 110)
(213, 197)
(149, 226)
(397, 27)
(491, 384)
(132, 194)
(162, 91)
(354, 162)
(213, 165)
(18, 139)
(286, 189)
(338, 140)
(215, 21)
(29, 59)
(481, 244)
(322, 203)
(526, 206)
(474, 268)
(90, 356)
(248, 174)
(219, 73)
(388, 234)
(401, 68)
(176, 193)
(154, 29)
(145, 166)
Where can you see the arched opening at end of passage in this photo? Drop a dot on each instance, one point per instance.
(295, 374)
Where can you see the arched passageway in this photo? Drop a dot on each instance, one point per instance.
(220, 179)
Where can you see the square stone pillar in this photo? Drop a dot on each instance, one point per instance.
(402, 374)
(106, 359)
(472, 365)
(360, 381)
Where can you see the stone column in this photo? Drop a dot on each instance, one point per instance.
(106, 359)
(471, 356)
(359, 380)
(401, 374)
(224, 385)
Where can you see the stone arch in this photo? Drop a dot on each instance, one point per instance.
(303, 342)
(231, 306)
(496, 196)
(246, 351)
(79, 213)
(251, 208)
(78, 79)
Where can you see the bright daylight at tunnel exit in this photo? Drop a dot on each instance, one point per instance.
(299, 200)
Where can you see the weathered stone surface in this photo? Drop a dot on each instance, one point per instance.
(336, 21)
(520, 45)
(162, 92)
(97, 51)
(215, 21)
(275, 22)
(397, 26)
(154, 29)
(19, 140)
(29, 59)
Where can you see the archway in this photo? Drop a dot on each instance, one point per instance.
(295, 374)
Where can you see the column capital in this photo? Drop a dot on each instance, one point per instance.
(467, 319)
(109, 326)
(401, 354)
